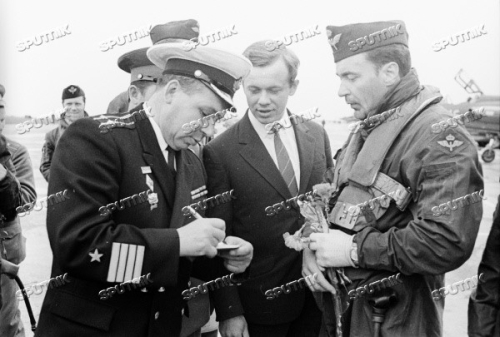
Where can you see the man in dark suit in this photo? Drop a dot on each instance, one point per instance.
(121, 219)
(251, 160)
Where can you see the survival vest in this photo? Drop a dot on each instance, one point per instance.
(369, 192)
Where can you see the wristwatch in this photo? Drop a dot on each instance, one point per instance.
(354, 253)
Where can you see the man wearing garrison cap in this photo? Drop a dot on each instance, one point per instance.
(130, 176)
(389, 176)
(73, 101)
(143, 73)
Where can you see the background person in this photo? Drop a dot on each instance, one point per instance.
(73, 101)
(143, 73)
(484, 302)
(17, 188)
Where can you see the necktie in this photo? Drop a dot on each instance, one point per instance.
(171, 158)
(285, 164)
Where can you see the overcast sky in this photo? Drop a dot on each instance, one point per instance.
(35, 78)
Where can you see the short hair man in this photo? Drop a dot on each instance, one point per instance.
(264, 168)
(123, 217)
(397, 183)
(17, 188)
(73, 101)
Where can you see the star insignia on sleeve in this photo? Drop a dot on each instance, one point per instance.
(95, 256)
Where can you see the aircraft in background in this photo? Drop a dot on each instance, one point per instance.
(485, 131)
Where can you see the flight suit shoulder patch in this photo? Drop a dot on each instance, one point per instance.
(450, 142)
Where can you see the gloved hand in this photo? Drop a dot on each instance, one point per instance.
(332, 249)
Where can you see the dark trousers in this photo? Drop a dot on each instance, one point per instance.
(306, 325)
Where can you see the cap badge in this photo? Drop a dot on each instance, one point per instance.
(72, 89)
(202, 76)
(335, 41)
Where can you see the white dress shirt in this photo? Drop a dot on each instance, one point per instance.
(159, 136)
(287, 136)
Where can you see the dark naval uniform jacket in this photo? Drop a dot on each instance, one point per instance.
(237, 159)
(99, 249)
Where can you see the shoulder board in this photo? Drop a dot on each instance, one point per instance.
(126, 121)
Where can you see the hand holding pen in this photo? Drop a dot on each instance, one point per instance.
(236, 252)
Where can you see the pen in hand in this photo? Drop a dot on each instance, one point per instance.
(194, 213)
(221, 245)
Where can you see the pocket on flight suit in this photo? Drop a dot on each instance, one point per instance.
(438, 185)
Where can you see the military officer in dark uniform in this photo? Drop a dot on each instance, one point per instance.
(143, 73)
(122, 219)
(408, 195)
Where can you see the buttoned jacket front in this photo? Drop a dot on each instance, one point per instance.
(99, 166)
(237, 159)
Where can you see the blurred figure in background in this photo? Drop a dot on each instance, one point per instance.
(118, 104)
(73, 100)
(143, 73)
(484, 302)
(17, 188)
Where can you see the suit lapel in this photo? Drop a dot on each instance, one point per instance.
(305, 145)
(184, 178)
(255, 153)
(153, 156)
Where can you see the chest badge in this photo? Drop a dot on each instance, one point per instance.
(199, 192)
(152, 197)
